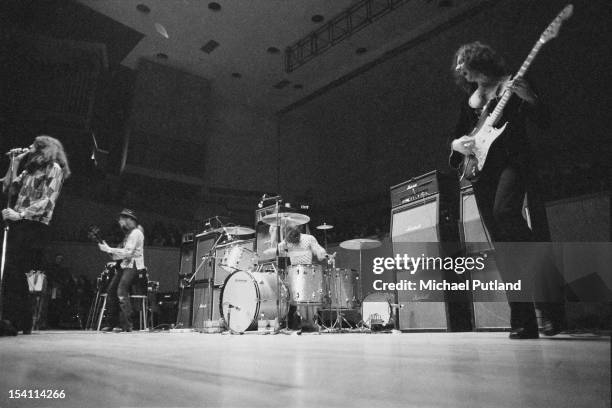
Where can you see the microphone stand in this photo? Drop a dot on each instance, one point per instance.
(279, 235)
(6, 231)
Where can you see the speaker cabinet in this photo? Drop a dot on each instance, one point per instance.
(490, 309)
(185, 307)
(186, 258)
(204, 259)
(474, 234)
(428, 228)
(165, 308)
(205, 303)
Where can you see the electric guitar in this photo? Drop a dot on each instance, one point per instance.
(485, 132)
(93, 233)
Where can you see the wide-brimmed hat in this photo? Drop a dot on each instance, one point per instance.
(126, 212)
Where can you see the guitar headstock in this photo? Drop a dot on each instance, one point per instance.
(93, 233)
(553, 29)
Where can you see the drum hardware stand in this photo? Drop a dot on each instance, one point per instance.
(91, 316)
(337, 324)
(211, 280)
(279, 235)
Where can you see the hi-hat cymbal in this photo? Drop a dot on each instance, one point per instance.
(360, 243)
(286, 218)
(324, 226)
(238, 230)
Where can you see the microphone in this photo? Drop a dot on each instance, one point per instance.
(17, 151)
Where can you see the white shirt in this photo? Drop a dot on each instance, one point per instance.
(131, 251)
(301, 253)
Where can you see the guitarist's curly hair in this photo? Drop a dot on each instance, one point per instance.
(477, 57)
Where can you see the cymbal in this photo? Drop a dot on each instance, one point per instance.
(360, 243)
(286, 218)
(324, 226)
(238, 230)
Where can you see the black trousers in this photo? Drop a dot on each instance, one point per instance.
(24, 252)
(500, 195)
(118, 302)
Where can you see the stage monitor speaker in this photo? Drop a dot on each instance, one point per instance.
(185, 307)
(186, 258)
(204, 259)
(205, 303)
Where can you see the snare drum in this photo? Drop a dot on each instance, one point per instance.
(249, 296)
(306, 284)
(343, 288)
(376, 310)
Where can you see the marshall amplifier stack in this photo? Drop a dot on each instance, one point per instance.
(424, 224)
(218, 253)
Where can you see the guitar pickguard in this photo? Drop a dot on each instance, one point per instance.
(483, 139)
(484, 136)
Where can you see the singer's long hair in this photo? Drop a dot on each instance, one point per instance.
(48, 150)
(481, 58)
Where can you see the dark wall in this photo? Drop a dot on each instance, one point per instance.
(392, 121)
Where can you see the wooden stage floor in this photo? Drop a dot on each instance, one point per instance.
(329, 370)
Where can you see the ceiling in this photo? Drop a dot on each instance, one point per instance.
(246, 29)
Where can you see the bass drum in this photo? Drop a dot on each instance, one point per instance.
(376, 311)
(249, 296)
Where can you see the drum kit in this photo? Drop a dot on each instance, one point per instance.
(259, 295)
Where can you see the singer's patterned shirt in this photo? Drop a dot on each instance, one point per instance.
(39, 192)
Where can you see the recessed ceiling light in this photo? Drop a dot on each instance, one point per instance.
(317, 18)
(209, 46)
(273, 50)
(236, 75)
(361, 50)
(298, 86)
(214, 6)
(282, 84)
(143, 8)
(161, 55)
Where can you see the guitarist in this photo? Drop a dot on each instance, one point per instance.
(131, 256)
(501, 185)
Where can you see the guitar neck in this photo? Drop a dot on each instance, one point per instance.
(499, 108)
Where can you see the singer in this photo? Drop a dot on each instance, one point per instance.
(37, 189)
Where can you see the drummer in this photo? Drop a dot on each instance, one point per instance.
(300, 247)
